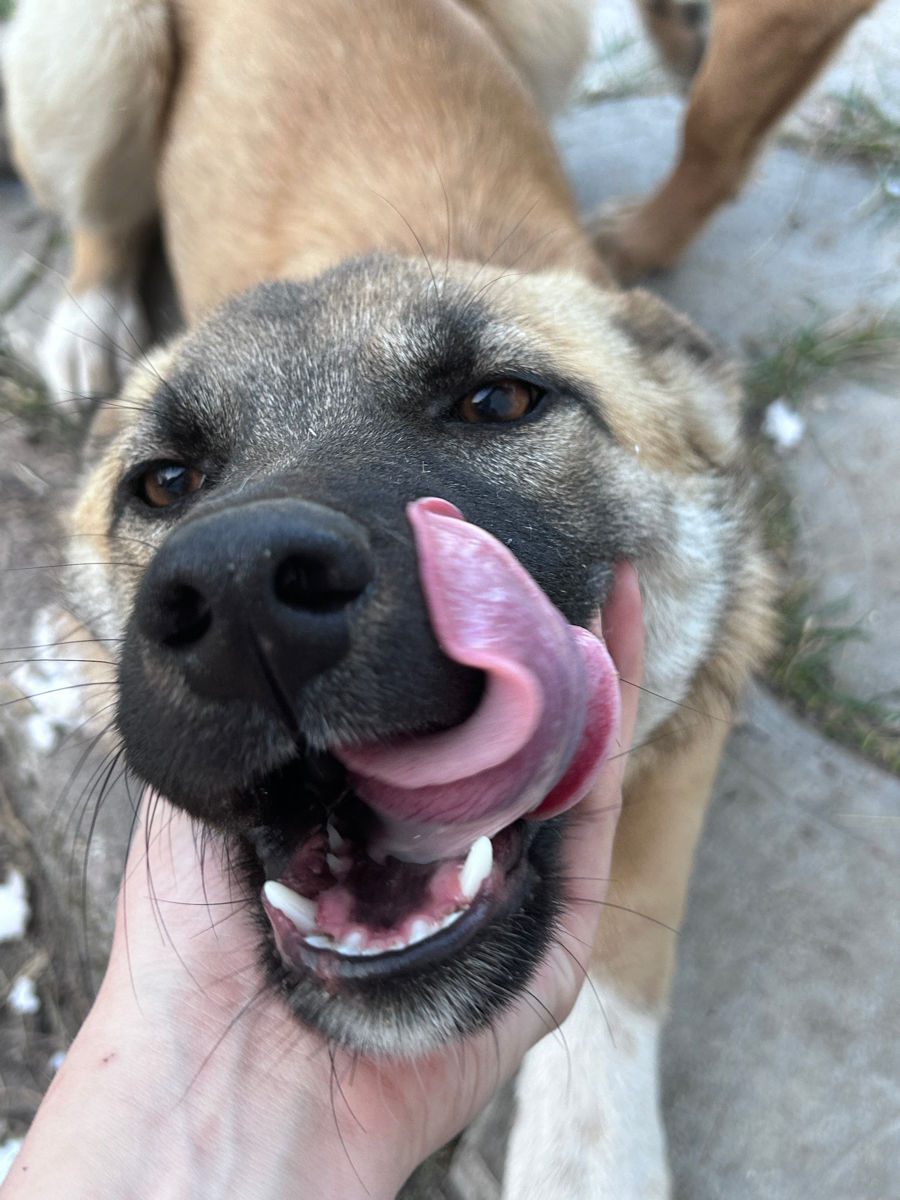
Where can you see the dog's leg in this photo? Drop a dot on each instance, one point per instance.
(588, 1122)
(760, 57)
(86, 86)
(546, 39)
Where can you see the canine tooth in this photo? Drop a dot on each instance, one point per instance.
(298, 910)
(335, 841)
(320, 941)
(477, 867)
(420, 930)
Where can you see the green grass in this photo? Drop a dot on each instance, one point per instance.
(6, 9)
(859, 131)
(803, 672)
(851, 127)
(857, 345)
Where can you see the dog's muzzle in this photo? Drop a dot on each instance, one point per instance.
(376, 855)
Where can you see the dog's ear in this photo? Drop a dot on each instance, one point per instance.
(115, 415)
(687, 363)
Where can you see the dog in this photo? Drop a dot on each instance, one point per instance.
(395, 319)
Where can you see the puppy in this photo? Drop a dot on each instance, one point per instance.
(394, 318)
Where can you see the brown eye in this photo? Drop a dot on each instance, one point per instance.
(502, 400)
(162, 484)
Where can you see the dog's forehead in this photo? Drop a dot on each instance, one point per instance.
(373, 340)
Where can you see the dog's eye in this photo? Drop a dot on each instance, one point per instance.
(500, 401)
(163, 483)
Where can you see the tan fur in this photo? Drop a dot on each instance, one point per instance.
(658, 830)
(337, 192)
(477, 181)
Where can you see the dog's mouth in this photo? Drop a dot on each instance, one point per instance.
(422, 841)
(340, 913)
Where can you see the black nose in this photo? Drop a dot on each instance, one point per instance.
(251, 601)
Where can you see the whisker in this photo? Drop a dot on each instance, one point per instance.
(88, 641)
(623, 908)
(332, 1083)
(588, 982)
(68, 688)
(418, 240)
(658, 737)
(65, 566)
(238, 1016)
(11, 662)
(499, 246)
(676, 703)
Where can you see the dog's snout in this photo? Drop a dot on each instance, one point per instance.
(253, 598)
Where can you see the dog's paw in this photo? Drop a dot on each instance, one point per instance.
(620, 237)
(93, 339)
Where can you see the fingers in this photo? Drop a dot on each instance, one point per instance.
(587, 852)
(623, 632)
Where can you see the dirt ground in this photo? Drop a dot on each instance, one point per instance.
(37, 464)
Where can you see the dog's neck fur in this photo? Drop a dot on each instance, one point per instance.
(404, 128)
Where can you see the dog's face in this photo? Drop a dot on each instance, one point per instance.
(263, 573)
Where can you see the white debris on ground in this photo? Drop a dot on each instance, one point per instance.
(784, 426)
(8, 1151)
(23, 997)
(55, 1061)
(14, 910)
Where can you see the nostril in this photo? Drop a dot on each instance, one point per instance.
(184, 616)
(312, 585)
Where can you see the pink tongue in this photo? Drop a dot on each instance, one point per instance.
(544, 723)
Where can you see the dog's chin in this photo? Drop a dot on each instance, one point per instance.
(391, 958)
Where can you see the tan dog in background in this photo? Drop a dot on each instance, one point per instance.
(95, 161)
(282, 140)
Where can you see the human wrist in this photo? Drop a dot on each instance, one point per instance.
(185, 1105)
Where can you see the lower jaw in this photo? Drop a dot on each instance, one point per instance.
(406, 1003)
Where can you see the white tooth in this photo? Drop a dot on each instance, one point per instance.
(351, 945)
(448, 920)
(337, 866)
(335, 841)
(477, 867)
(420, 930)
(320, 941)
(298, 910)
